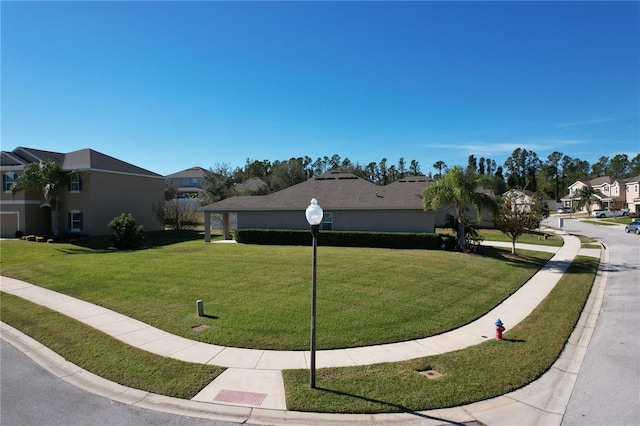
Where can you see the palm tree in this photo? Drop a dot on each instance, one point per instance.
(586, 197)
(459, 189)
(46, 177)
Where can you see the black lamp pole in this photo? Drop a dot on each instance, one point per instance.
(314, 215)
(315, 229)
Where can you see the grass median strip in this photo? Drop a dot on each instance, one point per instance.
(103, 355)
(473, 374)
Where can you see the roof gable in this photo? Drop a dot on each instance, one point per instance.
(88, 159)
(11, 159)
(31, 155)
(193, 172)
(84, 159)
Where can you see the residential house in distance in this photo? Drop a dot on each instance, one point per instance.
(525, 197)
(610, 195)
(350, 203)
(189, 182)
(105, 188)
(632, 194)
(250, 186)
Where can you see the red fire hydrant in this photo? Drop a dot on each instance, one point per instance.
(499, 330)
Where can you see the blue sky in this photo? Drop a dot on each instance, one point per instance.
(169, 85)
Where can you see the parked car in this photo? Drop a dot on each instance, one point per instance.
(564, 209)
(602, 213)
(610, 213)
(633, 227)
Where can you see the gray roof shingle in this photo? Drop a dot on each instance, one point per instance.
(334, 190)
(193, 172)
(84, 159)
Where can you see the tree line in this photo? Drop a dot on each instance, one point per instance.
(523, 169)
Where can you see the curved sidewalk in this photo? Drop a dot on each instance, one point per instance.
(254, 377)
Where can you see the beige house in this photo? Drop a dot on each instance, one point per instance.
(526, 198)
(632, 194)
(610, 193)
(189, 182)
(106, 187)
(350, 203)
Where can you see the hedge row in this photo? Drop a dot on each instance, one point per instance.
(346, 239)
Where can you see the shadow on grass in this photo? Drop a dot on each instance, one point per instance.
(396, 406)
(152, 240)
(506, 256)
(579, 265)
(209, 316)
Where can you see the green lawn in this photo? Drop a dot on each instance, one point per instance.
(601, 222)
(624, 220)
(259, 296)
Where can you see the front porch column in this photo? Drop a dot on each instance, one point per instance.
(207, 227)
(225, 226)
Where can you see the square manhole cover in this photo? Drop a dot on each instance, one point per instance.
(200, 327)
(431, 374)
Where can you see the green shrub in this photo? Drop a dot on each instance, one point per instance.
(397, 240)
(126, 235)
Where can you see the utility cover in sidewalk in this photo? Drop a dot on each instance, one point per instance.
(239, 397)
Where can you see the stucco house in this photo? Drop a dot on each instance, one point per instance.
(350, 203)
(105, 188)
(250, 186)
(526, 197)
(632, 194)
(188, 182)
(610, 195)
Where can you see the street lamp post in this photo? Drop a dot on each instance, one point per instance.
(314, 217)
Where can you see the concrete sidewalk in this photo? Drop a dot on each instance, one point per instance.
(253, 380)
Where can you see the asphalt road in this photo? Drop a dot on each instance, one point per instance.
(31, 396)
(607, 391)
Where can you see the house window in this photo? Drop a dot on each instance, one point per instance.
(194, 181)
(185, 181)
(7, 181)
(75, 185)
(635, 188)
(75, 221)
(606, 188)
(327, 222)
